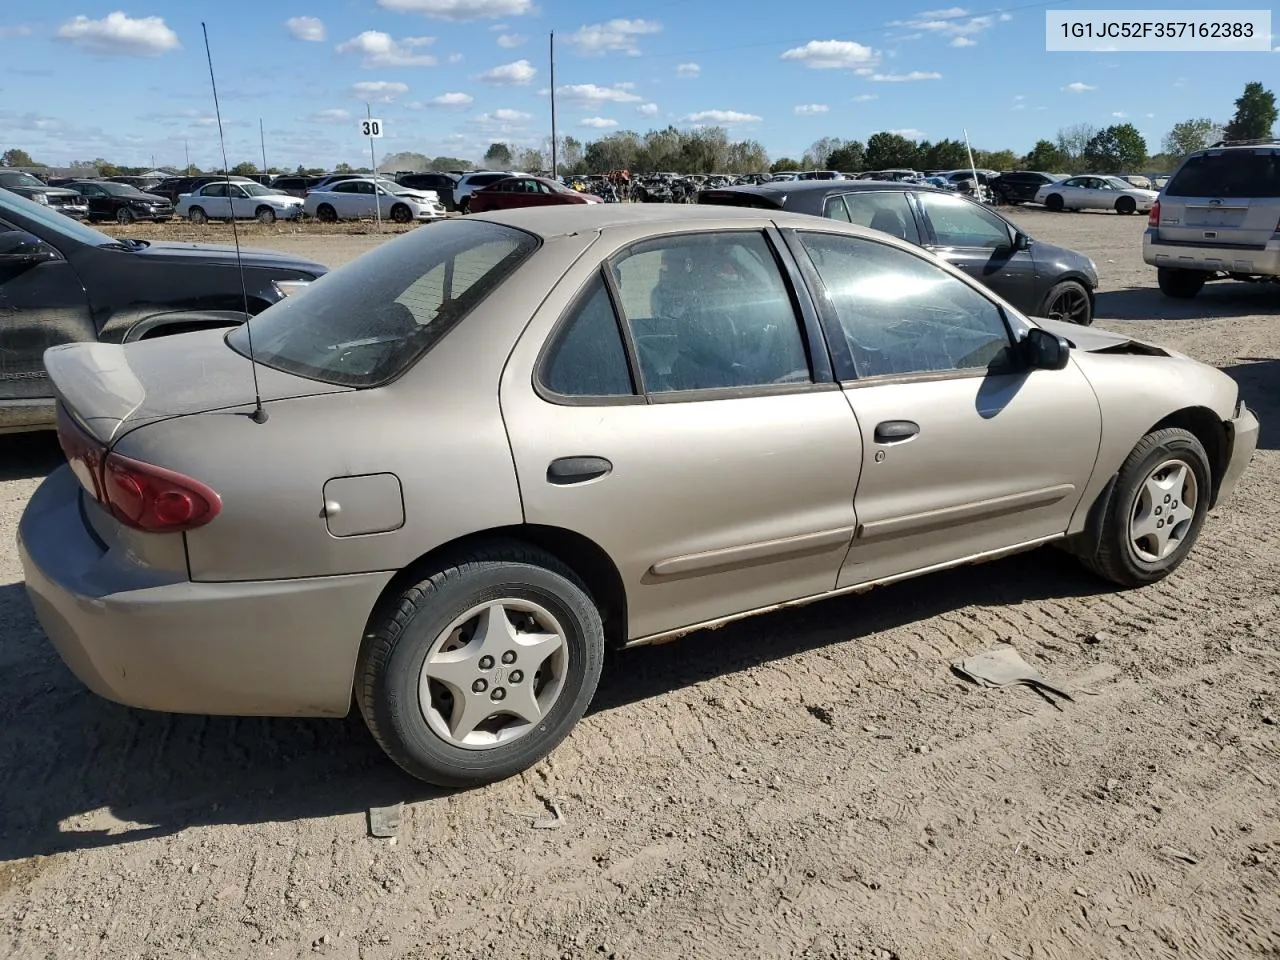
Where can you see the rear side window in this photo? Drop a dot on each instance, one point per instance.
(888, 212)
(733, 198)
(587, 357)
(1238, 174)
(377, 316)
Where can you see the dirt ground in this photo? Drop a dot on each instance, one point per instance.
(812, 784)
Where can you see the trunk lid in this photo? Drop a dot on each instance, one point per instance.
(110, 389)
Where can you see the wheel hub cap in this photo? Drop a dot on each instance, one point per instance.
(493, 674)
(1163, 511)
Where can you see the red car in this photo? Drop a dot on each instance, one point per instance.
(525, 192)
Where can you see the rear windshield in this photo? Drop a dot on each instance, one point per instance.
(1236, 174)
(369, 321)
(735, 198)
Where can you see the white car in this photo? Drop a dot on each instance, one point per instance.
(221, 200)
(1095, 193)
(362, 198)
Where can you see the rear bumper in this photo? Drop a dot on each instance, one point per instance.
(1242, 434)
(1264, 261)
(146, 638)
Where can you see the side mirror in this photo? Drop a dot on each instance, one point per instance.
(1021, 241)
(1043, 350)
(20, 247)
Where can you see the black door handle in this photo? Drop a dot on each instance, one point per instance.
(895, 431)
(567, 470)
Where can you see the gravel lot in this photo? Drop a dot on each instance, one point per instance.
(809, 784)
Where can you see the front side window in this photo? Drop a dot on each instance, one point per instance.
(888, 212)
(710, 311)
(587, 357)
(378, 315)
(962, 223)
(900, 314)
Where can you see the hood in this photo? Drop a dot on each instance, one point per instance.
(111, 388)
(47, 191)
(413, 194)
(1094, 340)
(226, 254)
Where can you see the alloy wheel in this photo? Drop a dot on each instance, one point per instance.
(1163, 511)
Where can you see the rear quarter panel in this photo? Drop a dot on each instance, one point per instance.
(1137, 392)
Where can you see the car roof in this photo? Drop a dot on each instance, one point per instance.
(562, 220)
(792, 187)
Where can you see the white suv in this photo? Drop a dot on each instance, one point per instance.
(1218, 216)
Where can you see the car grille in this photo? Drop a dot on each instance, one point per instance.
(72, 201)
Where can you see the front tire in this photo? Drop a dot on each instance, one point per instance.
(265, 215)
(1182, 284)
(198, 216)
(401, 214)
(1053, 202)
(1068, 301)
(124, 216)
(478, 671)
(1126, 205)
(1157, 509)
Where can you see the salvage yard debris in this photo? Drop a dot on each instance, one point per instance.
(1003, 666)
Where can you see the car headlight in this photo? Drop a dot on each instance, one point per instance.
(290, 287)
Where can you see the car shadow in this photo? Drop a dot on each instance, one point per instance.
(1259, 378)
(1215, 301)
(85, 773)
(25, 456)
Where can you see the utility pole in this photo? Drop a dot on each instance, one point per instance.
(553, 105)
(262, 139)
(186, 150)
(377, 197)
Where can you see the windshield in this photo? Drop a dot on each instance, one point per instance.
(1118, 183)
(117, 189)
(559, 187)
(378, 315)
(54, 221)
(1233, 175)
(21, 180)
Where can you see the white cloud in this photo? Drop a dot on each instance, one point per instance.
(614, 36)
(1018, 106)
(1119, 114)
(306, 28)
(117, 33)
(460, 9)
(647, 109)
(963, 42)
(866, 97)
(335, 115)
(510, 74)
(455, 58)
(833, 55)
(505, 115)
(21, 30)
(905, 77)
(380, 49)
(1149, 115)
(382, 91)
(509, 40)
(808, 109)
(591, 93)
(688, 70)
(451, 100)
(1078, 87)
(722, 117)
(599, 123)
(1020, 96)
(952, 22)
(911, 133)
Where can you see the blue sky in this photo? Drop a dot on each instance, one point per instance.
(81, 79)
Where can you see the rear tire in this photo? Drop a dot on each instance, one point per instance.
(1126, 205)
(198, 216)
(1053, 202)
(426, 632)
(464, 206)
(326, 214)
(1182, 284)
(1148, 489)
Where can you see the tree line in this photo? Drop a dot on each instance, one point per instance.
(1080, 148)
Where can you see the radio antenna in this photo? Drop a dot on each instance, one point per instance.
(259, 414)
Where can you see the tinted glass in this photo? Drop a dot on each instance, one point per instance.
(345, 187)
(214, 190)
(709, 311)
(833, 208)
(962, 223)
(1237, 174)
(375, 317)
(485, 179)
(887, 212)
(901, 314)
(587, 358)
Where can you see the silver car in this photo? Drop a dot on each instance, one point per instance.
(485, 452)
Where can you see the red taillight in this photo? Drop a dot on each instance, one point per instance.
(1153, 218)
(138, 494)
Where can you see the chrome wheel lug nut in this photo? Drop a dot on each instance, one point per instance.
(516, 676)
(498, 694)
(480, 686)
(1167, 498)
(486, 663)
(509, 657)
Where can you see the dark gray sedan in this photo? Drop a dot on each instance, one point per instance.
(1040, 279)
